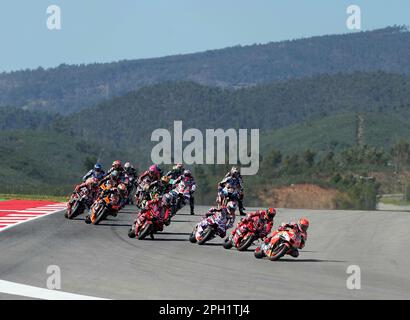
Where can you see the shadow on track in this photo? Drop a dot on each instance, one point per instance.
(177, 233)
(308, 260)
(211, 244)
(115, 224)
(162, 239)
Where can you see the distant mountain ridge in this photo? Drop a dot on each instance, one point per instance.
(68, 89)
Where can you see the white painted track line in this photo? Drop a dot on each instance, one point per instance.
(40, 293)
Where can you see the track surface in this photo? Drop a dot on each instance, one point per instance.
(102, 261)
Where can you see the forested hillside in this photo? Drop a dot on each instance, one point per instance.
(67, 89)
(128, 121)
(12, 118)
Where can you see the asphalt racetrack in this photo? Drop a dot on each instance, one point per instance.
(101, 261)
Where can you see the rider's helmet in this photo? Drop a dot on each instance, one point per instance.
(115, 174)
(122, 188)
(155, 170)
(234, 172)
(97, 167)
(127, 166)
(231, 206)
(303, 224)
(165, 179)
(91, 182)
(178, 166)
(116, 164)
(270, 213)
(187, 173)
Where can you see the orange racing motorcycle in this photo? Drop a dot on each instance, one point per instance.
(279, 244)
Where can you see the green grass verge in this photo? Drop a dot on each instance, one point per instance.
(395, 202)
(4, 197)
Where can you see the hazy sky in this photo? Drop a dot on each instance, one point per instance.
(110, 30)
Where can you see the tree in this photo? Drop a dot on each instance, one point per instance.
(400, 153)
(309, 157)
(273, 159)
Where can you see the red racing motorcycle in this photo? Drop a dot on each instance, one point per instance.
(78, 203)
(243, 236)
(148, 221)
(279, 244)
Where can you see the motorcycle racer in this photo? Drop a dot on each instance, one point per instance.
(225, 216)
(96, 172)
(121, 191)
(190, 184)
(262, 219)
(130, 170)
(116, 166)
(300, 228)
(92, 186)
(176, 172)
(152, 175)
(234, 178)
(146, 181)
(130, 179)
(114, 178)
(227, 193)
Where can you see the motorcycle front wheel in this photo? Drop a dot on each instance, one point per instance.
(100, 215)
(244, 245)
(228, 243)
(131, 233)
(278, 252)
(76, 210)
(192, 238)
(258, 253)
(145, 232)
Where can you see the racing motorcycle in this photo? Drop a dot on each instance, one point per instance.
(175, 200)
(209, 227)
(129, 181)
(280, 243)
(147, 221)
(104, 206)
(143, 192)
(77, 203)
(243, 236)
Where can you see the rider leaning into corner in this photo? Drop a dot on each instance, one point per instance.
(234, 178)
(116, 166)
(176, 172)
(226, 216)
(300, 228)
(152, 175)
(188, 179)
(121, 191)
(262, 219)
(130, 170)
(91, 184)
(96, 172)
